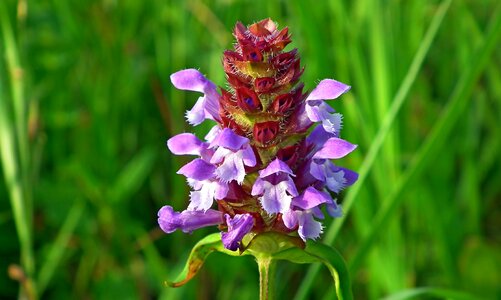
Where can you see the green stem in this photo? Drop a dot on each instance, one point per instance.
(266, 277)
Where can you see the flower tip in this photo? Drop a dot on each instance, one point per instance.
(166, 216)
(328, 89)
(188, 79)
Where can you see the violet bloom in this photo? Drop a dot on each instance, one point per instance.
(170, 220)
(207, 106)
(238, 227)
(232, 153)
(201, 177)
(319, 111)
(307, 206)
(268, 131)
(276, 187)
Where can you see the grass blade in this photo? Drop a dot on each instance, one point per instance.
(455, 107)
(383, 131)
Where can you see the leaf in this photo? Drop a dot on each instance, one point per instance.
(197, 257)
(274, 246)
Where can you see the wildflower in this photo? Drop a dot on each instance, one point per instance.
(267, 162)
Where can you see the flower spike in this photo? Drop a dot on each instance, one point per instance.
(267, 162)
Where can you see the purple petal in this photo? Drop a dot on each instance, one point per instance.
(317, 212)
(191, 80)
(206, 106)
(187, 221)
(328, 89)
(290, 218)
(319, 136)
(258, 187)
(231, 169)
(317, 110)
(274, 167)
(290, 187)
(185, 143)
(229, 140)
(196, 114)
(317, 169)
(310, 198)
(333, 123)
(221, 190)
(275, 198)
(349, 175)
(238, 227)
(220, 154)
(300, 118)
(335, 148)
(198, 169)
(248, 156)
(212, 134)
(308, 227)
(203, 198)
(334, 210)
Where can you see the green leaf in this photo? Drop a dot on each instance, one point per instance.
(271, 246)
(197, 257)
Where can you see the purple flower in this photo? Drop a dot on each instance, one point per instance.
(334, 177)
(238, 227)
(189, 144)
(201, 177)
(207, 106)
(232, 153)
(170, 220)
(276, 187)
(319, 111)
(304, 208)
(334, 148)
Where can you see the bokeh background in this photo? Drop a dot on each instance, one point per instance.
(86, 106)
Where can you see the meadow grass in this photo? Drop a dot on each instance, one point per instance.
(86, 106)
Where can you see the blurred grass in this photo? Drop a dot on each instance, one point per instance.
(86, 107)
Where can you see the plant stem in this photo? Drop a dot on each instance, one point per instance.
(266, 277)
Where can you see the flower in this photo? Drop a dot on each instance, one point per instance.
(233, 152)
(238, 227)
(188, 220)
(267, 161)
(276, 187)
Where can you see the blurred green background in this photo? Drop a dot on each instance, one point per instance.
(86, 106)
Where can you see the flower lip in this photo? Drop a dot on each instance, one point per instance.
(335, 148)
(328, 89)
(198, 169)
(185, 143)
(191, 80)
(274, 167)
(311, 198)
(229, 140)
(206, 107)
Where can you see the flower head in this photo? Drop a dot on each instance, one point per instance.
(267, 163)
